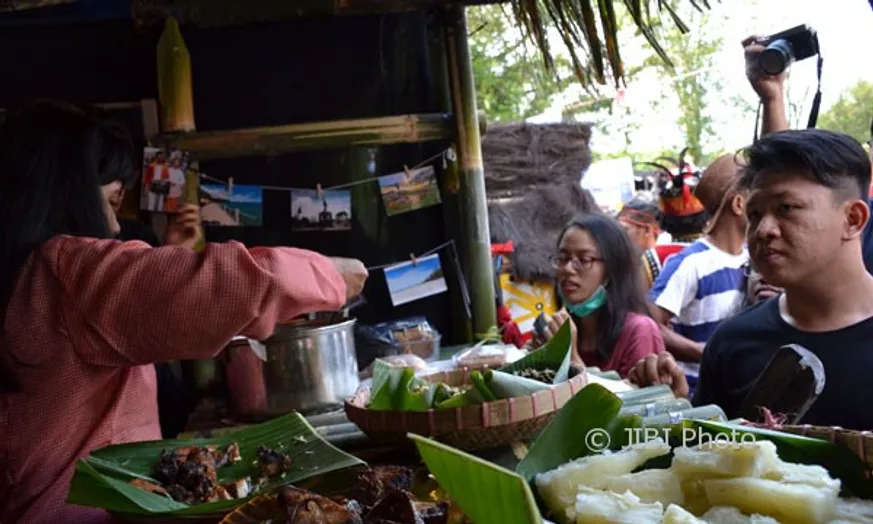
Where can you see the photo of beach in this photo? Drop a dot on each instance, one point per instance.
(331, 212)
(231, 205)
(409, 190)
(410, 281)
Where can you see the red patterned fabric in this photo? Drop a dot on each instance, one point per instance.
(87, 319)
(511, 332)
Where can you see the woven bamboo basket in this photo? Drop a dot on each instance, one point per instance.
(858, 442)
(468, 428)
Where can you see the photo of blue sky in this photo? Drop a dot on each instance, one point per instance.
(407, 275)
(240, 195)
(308, 205)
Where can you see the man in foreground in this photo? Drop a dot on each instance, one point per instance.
(807, 211)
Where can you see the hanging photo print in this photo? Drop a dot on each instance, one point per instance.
(330, 211)
(410, 281)
(409, 190)
(163, 180)
(231, 205)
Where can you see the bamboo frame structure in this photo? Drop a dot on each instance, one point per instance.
(275, 140)
(450, 182)
(220, 13)
(473, 203)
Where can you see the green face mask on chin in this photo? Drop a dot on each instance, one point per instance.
(587, 306)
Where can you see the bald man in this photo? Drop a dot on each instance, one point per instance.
(702, 285)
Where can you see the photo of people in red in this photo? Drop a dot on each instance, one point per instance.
(163, 181)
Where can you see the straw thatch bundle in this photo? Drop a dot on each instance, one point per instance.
(532, 175)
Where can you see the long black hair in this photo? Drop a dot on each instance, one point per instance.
(621, 263)
(53, 160)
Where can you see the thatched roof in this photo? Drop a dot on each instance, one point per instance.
(532, 174)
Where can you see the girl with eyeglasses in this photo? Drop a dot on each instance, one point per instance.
(598, 282)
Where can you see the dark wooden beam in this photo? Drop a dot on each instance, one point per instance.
(23, 5)
(220, 13)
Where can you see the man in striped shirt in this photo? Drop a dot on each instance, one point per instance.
(702, 285)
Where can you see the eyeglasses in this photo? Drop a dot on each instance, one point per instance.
(579, 264)
(749, 269)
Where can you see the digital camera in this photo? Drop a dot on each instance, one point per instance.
(781, 49)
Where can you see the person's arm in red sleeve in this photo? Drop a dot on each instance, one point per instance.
(128, 303)
(641, 337)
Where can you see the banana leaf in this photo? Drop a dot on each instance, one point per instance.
(554, 354)
(503, 385)
(101, 480)
(484, 491)
(399, 389)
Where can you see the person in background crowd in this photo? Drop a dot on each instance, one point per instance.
(683, 216)
(640, 219)
(598, 282)
(85, 316)
(757, 290)
(807, 211)
(702, 285)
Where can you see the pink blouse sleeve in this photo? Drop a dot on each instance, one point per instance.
(640, 337)
(128, 303)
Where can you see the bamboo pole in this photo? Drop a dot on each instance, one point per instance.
(473, 204)
(176, 100)
(450, 180)
(276, 140)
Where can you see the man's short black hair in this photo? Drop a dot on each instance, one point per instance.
(834, 160)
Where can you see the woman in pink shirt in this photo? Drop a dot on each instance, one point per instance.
(84, 317)
(598, 279)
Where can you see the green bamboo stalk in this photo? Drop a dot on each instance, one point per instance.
(450, 182)
(473, 204)
(174, 80)
(276, 140)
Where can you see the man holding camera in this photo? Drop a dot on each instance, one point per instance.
(810, 233)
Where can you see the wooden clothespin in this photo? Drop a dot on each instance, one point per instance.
(318, 192)
(414, 260)
(230, 186)
(407, 172)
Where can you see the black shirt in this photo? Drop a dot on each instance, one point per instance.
(741, 348)
(136, 230)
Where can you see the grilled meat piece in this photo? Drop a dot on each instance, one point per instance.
(226, 456)
(273, 462)
(373, 484)
(180, 494)
(396, 506)
(167, 467)
(304, 507)
(149, 486)
(433, 512)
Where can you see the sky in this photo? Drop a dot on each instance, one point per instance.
(845, 32)
(241, 194)
(407, 275)
(308, 201)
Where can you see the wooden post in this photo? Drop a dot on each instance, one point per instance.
(450, 180)
(472, 200)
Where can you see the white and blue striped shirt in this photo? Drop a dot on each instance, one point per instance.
(701, 286)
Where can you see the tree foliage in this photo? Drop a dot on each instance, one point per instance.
(852, 112)
(511, 78)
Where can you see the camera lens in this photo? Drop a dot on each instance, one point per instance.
(776, 57)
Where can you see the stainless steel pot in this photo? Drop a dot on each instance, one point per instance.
(310, 366)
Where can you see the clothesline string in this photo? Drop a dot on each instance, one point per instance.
(341, 186)
(425, 254)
